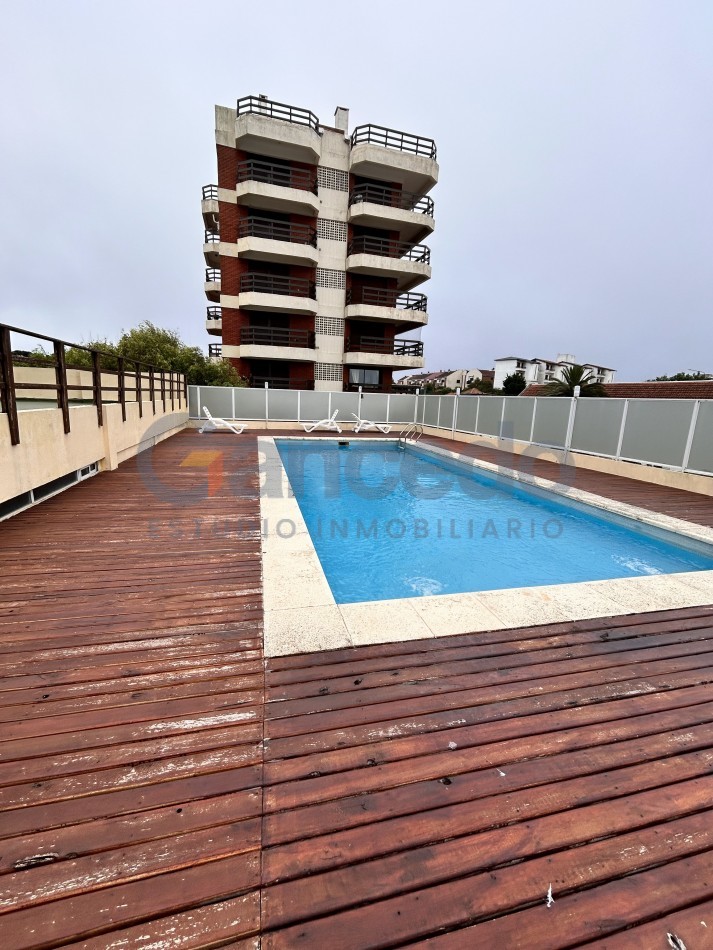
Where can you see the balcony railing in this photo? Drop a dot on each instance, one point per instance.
(277, 110)
(390, 138)
(277, 231)
(273, 173)
(379, 297)
(273, 284)
(276, 336)
(212, 275)
(215, 349)
(214, 313)
(392, 198)
(404, 251)
(211, 237)
(375, 344)
(281, 382)
(210, 192)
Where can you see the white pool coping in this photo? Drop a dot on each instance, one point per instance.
(302, 616)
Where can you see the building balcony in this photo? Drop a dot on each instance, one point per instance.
(209, 207)
(263, 239)
(212, 284)
(378, 152)
(274, 343)
(407, 310)
(377, 206)
(270, 186)
(274, 293)
(211, 247)
(375, 351)
(277, 129)
(408, 263)
(214, 321)
(281, 382)
(215, 351)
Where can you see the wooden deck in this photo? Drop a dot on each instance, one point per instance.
(163, 786)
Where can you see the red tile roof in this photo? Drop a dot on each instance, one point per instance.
(679, 389)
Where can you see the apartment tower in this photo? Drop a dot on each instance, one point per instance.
(313, 246)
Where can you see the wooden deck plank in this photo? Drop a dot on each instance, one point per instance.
(161, 783)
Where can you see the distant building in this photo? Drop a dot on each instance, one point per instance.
(445, 379)
(541, 371)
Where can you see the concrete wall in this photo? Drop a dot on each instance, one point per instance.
(45, 452)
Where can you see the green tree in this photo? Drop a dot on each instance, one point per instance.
(681, 377)
(514, 384)
(574, 376)
(150, 344)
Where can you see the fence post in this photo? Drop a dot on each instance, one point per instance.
(532, 424)
(455, 412)
(438, 413)
(232, 402)
(163, 389)
(415, 408)
(621, 429)
(61, 375)
(97, 386)
(267, 414)
(7, 386)
(139, 394)
(477, 414)
(198, 400)
(570, 424)
(691, 433)
(121, 380)
(502, 418)
(172, 383)
(299, 405)
(388, 406)
(152, 388)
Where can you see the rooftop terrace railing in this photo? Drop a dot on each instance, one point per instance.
(391, 198)
(376, 344)
(212, 275)
(276, 336)
(130, 376)
(210, 192)
(391, 138)
(257, 105)
(214, 313)
(276, 284)
(215, 350)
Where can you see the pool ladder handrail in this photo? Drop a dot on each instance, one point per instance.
(413, 432)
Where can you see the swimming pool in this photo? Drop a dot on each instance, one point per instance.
(389, 524)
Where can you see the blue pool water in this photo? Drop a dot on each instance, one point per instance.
(387, 524)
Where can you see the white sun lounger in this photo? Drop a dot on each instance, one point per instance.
(330, 424)
(363, 424)
(213, 423)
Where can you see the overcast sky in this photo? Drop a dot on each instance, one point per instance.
(574, 211)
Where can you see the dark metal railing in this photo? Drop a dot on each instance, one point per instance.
(211, 237)
(277, 110)
(376, 344)
(400, 250)
(281, 382)
(274, 284)
(277, 231)
(276, 336)
(392, 198)
(391, 138)
(210, 192)
(214, 313)
(380, 297)
(272, 173)
(215, 350)
(132, 376)
(212, 275)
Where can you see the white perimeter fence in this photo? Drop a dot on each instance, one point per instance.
(671, 433)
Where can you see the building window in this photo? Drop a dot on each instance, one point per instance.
(364, 377)
(336, 279)
(333, 178)
(330, 230)
(331, 372)
(521, 364)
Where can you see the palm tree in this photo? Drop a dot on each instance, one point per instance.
(575, 376)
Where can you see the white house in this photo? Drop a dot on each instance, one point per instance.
(444, 379)
(538, 370)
